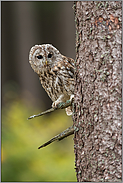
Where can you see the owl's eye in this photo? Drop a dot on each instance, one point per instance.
(39, 56)
(50, 55)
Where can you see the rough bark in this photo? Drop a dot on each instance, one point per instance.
(97, 107)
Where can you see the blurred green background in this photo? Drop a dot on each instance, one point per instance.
(25, 24)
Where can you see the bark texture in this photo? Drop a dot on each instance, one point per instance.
(97, 107)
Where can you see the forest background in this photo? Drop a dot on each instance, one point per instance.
(25, 24)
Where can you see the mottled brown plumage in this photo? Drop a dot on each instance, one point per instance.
(55, 71)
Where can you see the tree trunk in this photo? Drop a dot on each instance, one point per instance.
(97, 107)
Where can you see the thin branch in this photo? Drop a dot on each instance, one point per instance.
(65, 133)
(61, 105)
(42, 113)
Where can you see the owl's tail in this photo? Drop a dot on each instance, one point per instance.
(69, 110)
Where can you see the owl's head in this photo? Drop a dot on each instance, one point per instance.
(42, 57)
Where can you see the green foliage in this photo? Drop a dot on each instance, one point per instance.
(21, 159)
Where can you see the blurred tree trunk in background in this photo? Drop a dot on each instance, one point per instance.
(97, 118)
(25, 24)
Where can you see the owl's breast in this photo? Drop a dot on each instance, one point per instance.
(57, 81)
(52, 84)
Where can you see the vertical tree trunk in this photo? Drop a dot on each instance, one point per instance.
(97, 117)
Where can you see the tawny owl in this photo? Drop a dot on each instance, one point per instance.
(55, 71)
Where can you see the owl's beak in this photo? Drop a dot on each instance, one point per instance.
(46, 62)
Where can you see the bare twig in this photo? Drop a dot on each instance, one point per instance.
(65, 133)
(61, 105)
(42, 113)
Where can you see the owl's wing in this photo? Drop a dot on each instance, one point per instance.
(69, 65)
(64, 67)
(71, 61)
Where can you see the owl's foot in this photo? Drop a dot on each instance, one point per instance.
(59, 100)
(71, 98)
(59, 104)
(55, 104)
(69, 111)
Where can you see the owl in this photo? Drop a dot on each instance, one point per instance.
(56, 73)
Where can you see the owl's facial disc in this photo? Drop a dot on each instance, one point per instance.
(43, 57)
(41, 60)
(45, 60)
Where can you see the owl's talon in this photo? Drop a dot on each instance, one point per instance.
(55, 105)
(71, 98)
